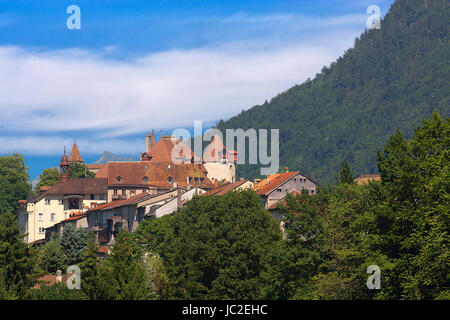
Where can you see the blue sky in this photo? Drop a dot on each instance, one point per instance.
(138, 65)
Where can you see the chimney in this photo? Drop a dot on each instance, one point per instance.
(58, 276)
(286, 169)
(147, 143)
(22, 203)
(267, 180)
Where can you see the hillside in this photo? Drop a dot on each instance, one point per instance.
(391, 79)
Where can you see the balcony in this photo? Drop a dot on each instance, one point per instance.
(119, 196)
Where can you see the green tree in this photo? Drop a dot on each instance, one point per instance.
(15, 258)
(79, 170)
(48, 177)
(4, 293)
(351, 243)
(51, 257)
(158, 281)
(416, 174)
(73, 243)
(58, 291)
(290, 266)
(216, 247)
(13, 182)
(90, 269)
(345, 174)
(123, 275)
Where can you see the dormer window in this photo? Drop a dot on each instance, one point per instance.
(119, 179)
(169, 179)
(145, 179)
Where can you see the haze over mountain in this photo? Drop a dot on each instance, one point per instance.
(391, 79)
(108, 156)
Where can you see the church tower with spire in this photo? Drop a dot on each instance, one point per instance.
(75, 156)
(64, 168)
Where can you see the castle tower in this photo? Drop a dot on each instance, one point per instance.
(64, 168)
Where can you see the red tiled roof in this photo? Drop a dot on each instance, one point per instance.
(224, 188)
(79, 186)
(49, 280)
(76, 217)
(158, 173)
(264, 187)
(95, 165)
(103, 206)
(75, 155)
(162, 150)
(131, 200)
(103, 249)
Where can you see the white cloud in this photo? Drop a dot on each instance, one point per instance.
(54, 145)
(76, 90)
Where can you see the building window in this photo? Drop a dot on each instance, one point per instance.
(102, 197)
(52, 216)
(278, 190)
(202, 180)
(92, 197)
(61, 202)
(312, 191)
(41, 230)
(115, 191)
(47, 201)
(124, 192)
(119, 179)
(295, 179)
(196, 180)
(41, 217)
(145, 179)
(169, 179)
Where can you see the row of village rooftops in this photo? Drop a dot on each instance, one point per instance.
(124, 193)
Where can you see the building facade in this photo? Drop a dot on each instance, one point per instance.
(67, 198)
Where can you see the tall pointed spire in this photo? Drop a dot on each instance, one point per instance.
(75, 155)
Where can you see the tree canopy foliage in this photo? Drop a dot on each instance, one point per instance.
(213, 247)
(13, 182)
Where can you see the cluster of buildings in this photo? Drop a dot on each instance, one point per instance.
(124, 193)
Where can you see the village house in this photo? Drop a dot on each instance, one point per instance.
(173, 204)
(106, 220)
(275, 187)
(61, 201)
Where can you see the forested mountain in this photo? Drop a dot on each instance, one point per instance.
(391, 79)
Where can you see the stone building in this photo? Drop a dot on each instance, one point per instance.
(275, 187)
